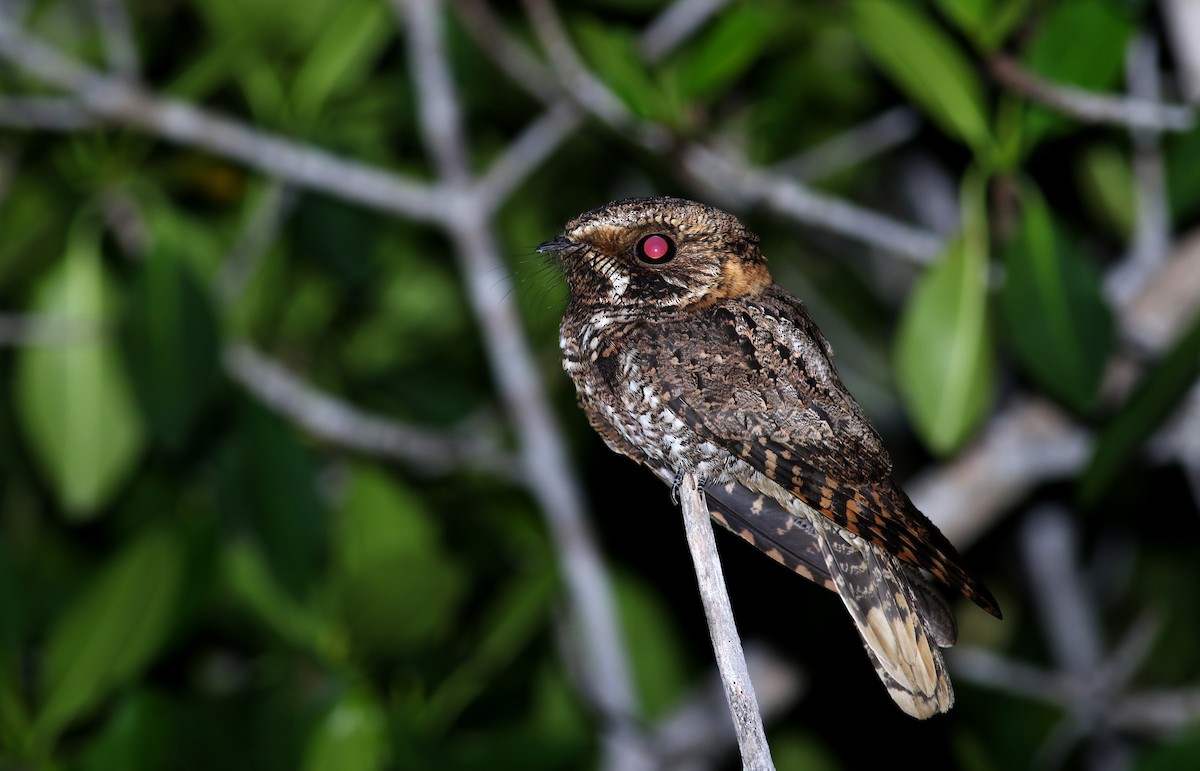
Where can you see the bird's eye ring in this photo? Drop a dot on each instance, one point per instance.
(656, 248)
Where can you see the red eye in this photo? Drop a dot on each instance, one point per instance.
(655, 248)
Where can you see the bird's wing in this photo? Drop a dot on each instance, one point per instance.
(794, 543)
(780, 406)
(764, 524)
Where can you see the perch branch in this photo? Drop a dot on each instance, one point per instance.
(731, 661)
(699, 731)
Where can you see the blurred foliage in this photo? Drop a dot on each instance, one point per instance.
(188, 581)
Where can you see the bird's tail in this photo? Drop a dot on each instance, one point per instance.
(897, 621)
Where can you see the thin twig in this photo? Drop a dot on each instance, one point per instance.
(578, 81)
(1089, 106)
(44, 113)
(726, 176)
(1064, 606)
(262, 227)
(512, 57)
(525, 153)
(731, 661)
(186, 124)
(336, 422)
(853, 146)
(673, 26)
(1152, 233)
(1181, 20)
(43, 329)
(120, 50)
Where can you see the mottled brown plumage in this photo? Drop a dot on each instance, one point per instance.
(686, 356)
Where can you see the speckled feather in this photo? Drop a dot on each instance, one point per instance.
(701, 363)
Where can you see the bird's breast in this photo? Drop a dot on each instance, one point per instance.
(624, 397)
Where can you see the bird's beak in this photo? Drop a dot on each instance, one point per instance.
(555, 245)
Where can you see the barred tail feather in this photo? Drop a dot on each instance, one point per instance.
(900, 642)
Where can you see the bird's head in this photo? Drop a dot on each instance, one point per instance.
(665, 252)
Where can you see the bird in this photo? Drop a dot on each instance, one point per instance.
(686, 356)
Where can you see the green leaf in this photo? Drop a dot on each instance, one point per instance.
(1058, 323)
(986, 22)
(340, 238)
(944, 360)
(613, 54)
(171, 345)
(112, 632)
(1152, 402)
(251, 583)
(1106, 181)
(509, 624)
(655, 647)
(269, 485)
(726, 51)
(73, 399)
(1079, 43)
(136, 737)
(928, 66)
(353, 736)
(397, 589)
(342, 56)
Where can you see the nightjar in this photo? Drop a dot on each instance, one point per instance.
(686, 356)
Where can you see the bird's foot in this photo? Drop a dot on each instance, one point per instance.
(701, 482)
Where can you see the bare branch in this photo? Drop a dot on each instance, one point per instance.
(258, 233)
(1158, 713)
(696, 735)
(125, 220)
(580, 84)
(535, 144)
(1088, 106)
(673, 26)
(853, 146)
(338, 423)
(43, 329)
(438, 113)
(1181, 20)
(1025, 444)
(1152, 233)
(731, 661)
(44, 113)
(512, 56)
(1064, 606)
(120, 50)
(183, 123)
(726, 176)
